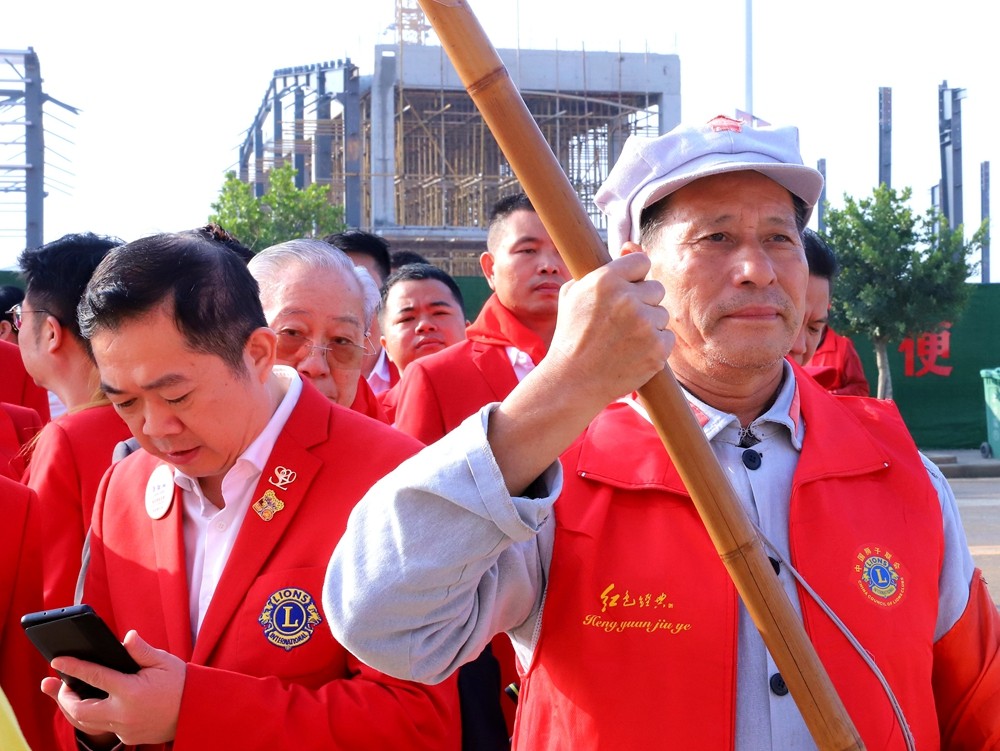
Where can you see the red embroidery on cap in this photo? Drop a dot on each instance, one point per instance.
(722, 123)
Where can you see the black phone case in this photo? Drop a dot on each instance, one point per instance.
(77, 631)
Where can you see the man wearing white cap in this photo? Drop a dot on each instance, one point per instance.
(631, 632)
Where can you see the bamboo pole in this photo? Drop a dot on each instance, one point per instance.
(488, 83)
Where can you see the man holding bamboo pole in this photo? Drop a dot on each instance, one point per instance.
(631, 632)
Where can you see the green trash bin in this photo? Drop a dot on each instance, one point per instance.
(991, 385)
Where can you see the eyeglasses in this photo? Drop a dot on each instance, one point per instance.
(340, 352)
(16, 315)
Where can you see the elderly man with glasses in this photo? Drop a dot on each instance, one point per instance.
(320, 304)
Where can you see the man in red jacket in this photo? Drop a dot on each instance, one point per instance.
(18, 428)
(506, 341)
(826, 355)
(21, 666)
(320, 304)
(209, 545)
(422, 312)
(370, 252)
(629, 628)
(74, 450)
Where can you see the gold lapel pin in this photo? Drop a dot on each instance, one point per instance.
(268, 505)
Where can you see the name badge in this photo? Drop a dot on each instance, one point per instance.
(159, 492)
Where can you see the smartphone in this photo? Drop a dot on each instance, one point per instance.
(77, 631)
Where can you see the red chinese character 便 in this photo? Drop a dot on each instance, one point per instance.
(928, 348)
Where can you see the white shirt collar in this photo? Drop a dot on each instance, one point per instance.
(380, 379)
(786, 412)
(520, 361)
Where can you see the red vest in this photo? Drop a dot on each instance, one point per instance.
(638, 642)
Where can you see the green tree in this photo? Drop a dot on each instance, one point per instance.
(900, 274)
(283, 213)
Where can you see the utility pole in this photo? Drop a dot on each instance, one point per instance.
(984, 181)
(885, 136)
(950, 129)
(22, 158)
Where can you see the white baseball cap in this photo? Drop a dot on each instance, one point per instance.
(652, 168)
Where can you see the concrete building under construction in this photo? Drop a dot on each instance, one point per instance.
(409, 157)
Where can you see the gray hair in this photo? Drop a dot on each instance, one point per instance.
(268, 265)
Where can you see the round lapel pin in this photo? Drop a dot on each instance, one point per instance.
(159, 492)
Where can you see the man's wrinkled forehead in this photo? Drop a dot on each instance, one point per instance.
(321, 292)
(672, 208)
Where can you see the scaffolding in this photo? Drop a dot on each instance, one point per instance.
(294, 125)
(450, 171)
(408, 155)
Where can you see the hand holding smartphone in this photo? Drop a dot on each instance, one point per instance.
(77, 631)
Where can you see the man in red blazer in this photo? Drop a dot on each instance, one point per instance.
(827, 356)
(74, 450)
(21, 666)
(16, 386)
(422, 312)
(320, 305)
(506, 341)
(209, 546)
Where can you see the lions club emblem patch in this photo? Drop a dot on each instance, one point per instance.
(881, 576)
(289, 617)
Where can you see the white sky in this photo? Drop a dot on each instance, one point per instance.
(168, 90)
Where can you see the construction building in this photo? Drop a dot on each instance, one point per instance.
(409, 157)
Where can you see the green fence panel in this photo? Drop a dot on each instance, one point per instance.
(475, 292)
(936, 381)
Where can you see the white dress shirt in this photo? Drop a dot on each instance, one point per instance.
(210, 532)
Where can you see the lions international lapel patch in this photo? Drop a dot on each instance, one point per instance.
(289, 617)
(881, 576)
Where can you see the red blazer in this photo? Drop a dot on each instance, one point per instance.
(21, 666)
(16, 385)
(367, 402)
(18, 426)
(70, 457)
(437, 392)
(387, 401)
(265, 671)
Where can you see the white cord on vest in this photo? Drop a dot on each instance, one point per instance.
(896, 708)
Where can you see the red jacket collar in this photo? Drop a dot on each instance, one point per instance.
(498, 326)
(620, 432)
(366, 402)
